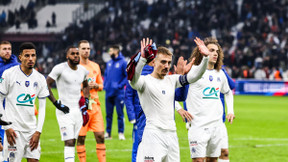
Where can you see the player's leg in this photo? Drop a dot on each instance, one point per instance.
(224, 157)
(15, 152)
(214, 144)
(109, 103)
(69, 150)
(81, 150)
(152, 147)
(198, 139)
(97, 126)
(31, 156)
(174, 152)
(120, 115)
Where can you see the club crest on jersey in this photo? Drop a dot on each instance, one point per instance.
(211, 93)
(210, 78)
(27, 83)
(163, 92)
(25, 100)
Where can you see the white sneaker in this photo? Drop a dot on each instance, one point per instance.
(107, 136)
(121, 136)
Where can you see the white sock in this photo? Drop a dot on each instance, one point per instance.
(221, 160)
(1, 156)
(69, 154)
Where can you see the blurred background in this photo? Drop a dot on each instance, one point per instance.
(253, 34)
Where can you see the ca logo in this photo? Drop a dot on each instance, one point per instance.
(25, 100)
(210, 93)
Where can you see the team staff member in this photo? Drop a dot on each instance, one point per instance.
(115, 79)
(95, 123)
(69, 77)
(20, 85)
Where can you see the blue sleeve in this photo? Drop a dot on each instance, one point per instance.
(181, 93)
(124, 78)
(105, 78)
(230, 80)
(129, 100)
(184, 105)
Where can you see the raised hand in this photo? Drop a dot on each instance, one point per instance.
(182, 66)
(202, 47)
(144, 43)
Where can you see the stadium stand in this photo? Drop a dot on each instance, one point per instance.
(253, 34)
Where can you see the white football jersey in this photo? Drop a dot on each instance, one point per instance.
(157, 100)
(68, 83)
(203, 99)
(20, 92)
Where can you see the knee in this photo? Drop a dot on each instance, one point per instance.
(81, 140)
(99, 137)
(224, 154)
(70, 143)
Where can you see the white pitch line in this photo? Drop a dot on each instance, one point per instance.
(181, 148)
(259, 139)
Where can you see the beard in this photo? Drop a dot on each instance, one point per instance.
(113, 56)
(73, 62)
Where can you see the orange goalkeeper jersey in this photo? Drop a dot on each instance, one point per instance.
(94, 76)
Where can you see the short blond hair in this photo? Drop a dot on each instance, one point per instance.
(164, 51)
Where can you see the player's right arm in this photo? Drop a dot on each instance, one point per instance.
(55, 73)
(4, 90)
(136, 82)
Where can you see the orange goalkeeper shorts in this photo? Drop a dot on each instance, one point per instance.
(95, 123)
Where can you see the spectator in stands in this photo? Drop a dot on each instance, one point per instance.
(53, 19)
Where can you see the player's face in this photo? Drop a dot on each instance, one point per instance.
(213, 48)
(84, 50)
(73, 56)
(28, 58)
(162, 64)
(5, 51)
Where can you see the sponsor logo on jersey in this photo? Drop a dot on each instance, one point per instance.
(149, 159)
(91, 79)
(210, 93)
(193, 143)
(27, 83)
(1, 79)
(25, 100)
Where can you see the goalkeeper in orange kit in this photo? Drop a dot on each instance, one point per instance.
(95, 123)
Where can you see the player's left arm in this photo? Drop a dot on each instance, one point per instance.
(34, 141)
(228, 94)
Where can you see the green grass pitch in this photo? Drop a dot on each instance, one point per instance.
(259, 133)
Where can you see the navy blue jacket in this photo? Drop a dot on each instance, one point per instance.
(6, 65)
(115, 76)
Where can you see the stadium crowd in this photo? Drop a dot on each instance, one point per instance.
(253, 33)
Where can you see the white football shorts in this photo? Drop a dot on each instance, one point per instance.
(158, 145)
